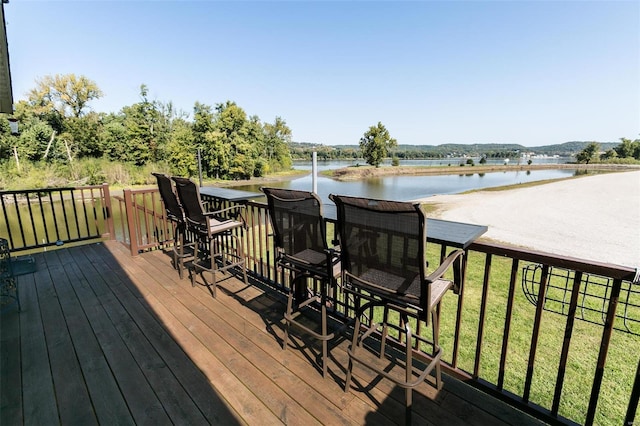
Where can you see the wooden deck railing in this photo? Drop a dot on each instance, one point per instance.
(38, 218)
(552, 335)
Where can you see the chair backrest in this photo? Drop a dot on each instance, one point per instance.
(171, 205)
(296, 218)
(383, 246)
(189, 196)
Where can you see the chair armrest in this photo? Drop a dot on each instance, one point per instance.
(333, 260)
(455, 259)
(217, 212)
(235, 215)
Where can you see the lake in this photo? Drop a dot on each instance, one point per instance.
(405, 188)
(453, 161)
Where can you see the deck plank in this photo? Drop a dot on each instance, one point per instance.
(225, 382)
(38, 394)
(136, 344)
(85, 315)
(315, 395)
(72, 395)
(140, 396)
(265, 315)
(166, 387)
(10, 372)
(207, 328)
(170, 369)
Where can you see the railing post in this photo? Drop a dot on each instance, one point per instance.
(131, 226)
(633, 400)
(108, 211)
(604, 349)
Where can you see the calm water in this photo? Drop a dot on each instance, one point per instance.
(336, 164)
(404, 188)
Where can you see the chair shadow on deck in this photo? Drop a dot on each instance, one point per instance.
(95, 347)
(270, 304)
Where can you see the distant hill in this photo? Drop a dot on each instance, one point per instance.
(563, 149)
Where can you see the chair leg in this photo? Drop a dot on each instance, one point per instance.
(212, 253)
(180, 254)
(385, 331)
(435, 320)
(288, 314)
(354, 345)
(325, 343)
(193, 264)
(240, 254)
(408, 369)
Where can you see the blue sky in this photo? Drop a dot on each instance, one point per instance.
(533, 73)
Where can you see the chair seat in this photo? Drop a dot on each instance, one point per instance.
(388, 285)
(314, 260)
(217, 226)
(312, 257)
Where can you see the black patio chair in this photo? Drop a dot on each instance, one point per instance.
(383, 247)
(176, 216)
(301, 244)
(214, 230)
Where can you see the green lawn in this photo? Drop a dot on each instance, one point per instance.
(622, 357)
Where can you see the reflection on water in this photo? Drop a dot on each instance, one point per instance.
(406, 188)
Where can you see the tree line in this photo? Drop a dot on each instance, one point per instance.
(58, 130)
(627, 151)
(58, 127)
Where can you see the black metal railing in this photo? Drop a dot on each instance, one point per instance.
(594, 292)
(38, 218)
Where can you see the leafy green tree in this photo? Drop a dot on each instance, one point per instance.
(65, 93)
(628, 148)
(215, 156)
(7, 140)
(113, 137)
(33, 141)
(232, 123)
(228, 144)
(589, 153)
(83, 134)
(610, 154)
(62, 101)
(376, 143)
(181, 151)
(144, 141)
(625, 149)
(277, 137)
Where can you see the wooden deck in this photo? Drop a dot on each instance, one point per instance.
(106, 338)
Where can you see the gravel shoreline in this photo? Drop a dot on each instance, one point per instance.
(594, 218)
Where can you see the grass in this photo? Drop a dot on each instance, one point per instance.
(583, 354)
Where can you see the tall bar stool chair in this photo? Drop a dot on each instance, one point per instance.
(213, 230)
(301, 245)
(176, 216)
(383, 247)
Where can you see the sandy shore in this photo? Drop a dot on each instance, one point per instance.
(593, 217)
